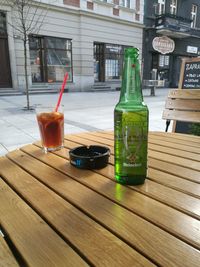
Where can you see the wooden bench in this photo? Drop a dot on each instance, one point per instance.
(182, 105)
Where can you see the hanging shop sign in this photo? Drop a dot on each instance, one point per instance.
(163, 44)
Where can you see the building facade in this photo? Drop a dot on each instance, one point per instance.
(179, 20)
(84, 37)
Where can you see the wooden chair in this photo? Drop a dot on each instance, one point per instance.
(182, 105)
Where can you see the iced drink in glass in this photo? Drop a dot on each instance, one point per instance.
(51, 125)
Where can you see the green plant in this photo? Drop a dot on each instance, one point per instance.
(195, 129)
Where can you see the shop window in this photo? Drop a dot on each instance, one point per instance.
(50, 58)
(163, 61)
(2, 23)
(108, 62)
(99, 60)
(125, 3)
(112, 62)
(173, 7)
(194, 16)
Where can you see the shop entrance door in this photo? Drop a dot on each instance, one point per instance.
(99, 62)
(5, 74)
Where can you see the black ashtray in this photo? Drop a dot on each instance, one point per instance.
(89, 157)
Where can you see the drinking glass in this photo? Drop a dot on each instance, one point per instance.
(51, 126)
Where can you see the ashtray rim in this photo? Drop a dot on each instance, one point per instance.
(90, 161)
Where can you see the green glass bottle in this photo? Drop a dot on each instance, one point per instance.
(131, 125)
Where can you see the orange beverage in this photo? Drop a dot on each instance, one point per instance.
(51, 125)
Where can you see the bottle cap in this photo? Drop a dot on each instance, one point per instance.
(89, 157)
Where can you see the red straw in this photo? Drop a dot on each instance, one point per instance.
(61, 91)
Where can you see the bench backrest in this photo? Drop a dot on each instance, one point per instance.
(182, 105)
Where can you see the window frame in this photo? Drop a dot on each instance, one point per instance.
(163, 61)
(161, 7)
(3, 20)
(173, 7)
(112, 61)
(125, 3)
(194, 16)
(43, 50)
(107, 1)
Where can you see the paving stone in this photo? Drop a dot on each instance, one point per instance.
(3, 151)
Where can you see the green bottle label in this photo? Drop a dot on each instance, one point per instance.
(131, 140)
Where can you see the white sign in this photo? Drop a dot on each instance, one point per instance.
(164, 45)
(192, 49)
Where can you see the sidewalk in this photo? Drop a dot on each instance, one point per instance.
(84, 111)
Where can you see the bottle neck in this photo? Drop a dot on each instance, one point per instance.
(131, 90)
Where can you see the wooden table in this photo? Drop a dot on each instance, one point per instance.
(53, 214)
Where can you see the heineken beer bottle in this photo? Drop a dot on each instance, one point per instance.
(131, 125)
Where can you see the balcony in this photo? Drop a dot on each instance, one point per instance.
(173, 26)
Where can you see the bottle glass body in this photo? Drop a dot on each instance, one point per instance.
(131, 126)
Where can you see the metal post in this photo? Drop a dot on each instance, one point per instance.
(152, 90)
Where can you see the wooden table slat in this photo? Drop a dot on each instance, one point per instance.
(184, 200)
(181, 139)
(98, 139)
(100, 134)
(150, 206)
(176, 160)
(72, 223)
(173, 140)
(7, 258)
(180, 136)
(173, 151)
(158, 191)
(92, 138)
(85, 216)
(174, 182)
(151, 240)
(82, 141)
(26, 229)
(166, 167)
(163, 143)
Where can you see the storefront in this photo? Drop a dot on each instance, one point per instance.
(87, 43)
(168, 65)
(179, 22)
(5, 73)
